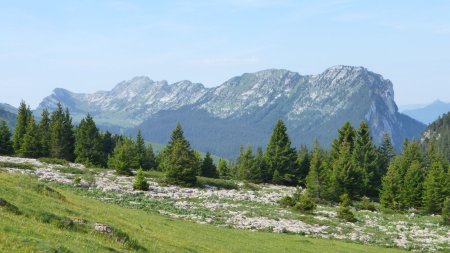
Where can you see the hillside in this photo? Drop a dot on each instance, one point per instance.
(439, 132)
(79, 197)
(244, 109)
(8, 113)
(429, 113)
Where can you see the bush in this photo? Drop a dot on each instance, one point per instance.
(344, 211)
(22, 166)
(140, 183)
(9, 207)
(53, 161)
(366, 204)
(306, 203)
(287, 201)
(70, 170)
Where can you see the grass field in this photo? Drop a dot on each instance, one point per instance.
(40, 217)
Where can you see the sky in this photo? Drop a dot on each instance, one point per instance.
(86, 46)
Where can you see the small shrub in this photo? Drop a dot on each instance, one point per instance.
(287, 201)
(446, 212)
(306, 203)
(219, 183)
(366, 204)
(53, 161)
(69, 170)
(9, 207)
(140, 183)
(344, 211)
(22, 166)
(77, 180)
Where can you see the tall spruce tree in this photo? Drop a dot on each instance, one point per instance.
(280, 156)
(31, 142)
(208, 169)
(140, 149)
(412, 188)
(345, 134)
(6, 146)
(302, 164)
(88, 143)
(436, 188)
(245, 164)
(23, 117)
(44, 132)
(316, 180)
(390, 190)
(257, 173)
(386, 154)
(149, 161)
(179, 161)
(365, 159)
(61, 134)
(222, 168)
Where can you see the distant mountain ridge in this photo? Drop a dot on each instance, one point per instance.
(439, 132)
(8, 113)
(429, 113)
(244, 109)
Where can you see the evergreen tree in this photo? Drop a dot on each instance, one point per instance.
(346, 177)
(109, 144)
(344, 211)
(44, 132)
(140, 183)
(365, 159)
(123, 158)
(446, 212)
(411, 192)
(208, 169)
(61, 134)
(257, 172)
(411, 152)
(280, 156)
(436, 188)
(316, 180)
(6, 146)
(389, 194)
(386, 154)
(23, 117)
(31, 142)
(222, 168)
(88, 143)
(306, 203)
(140, 150)
(345, 134)
(179, 162)
(302, 164)
(245, 163)
(149, 161)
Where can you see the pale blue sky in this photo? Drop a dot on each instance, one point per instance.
(85, 46)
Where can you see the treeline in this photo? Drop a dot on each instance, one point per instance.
(354, 167)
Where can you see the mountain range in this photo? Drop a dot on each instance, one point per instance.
(244, 109)
(428, 113)
(8, 113)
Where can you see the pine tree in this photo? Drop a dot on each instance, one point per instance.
(149, 161)
(302, 164)
(208, 169)
(123, 158)
(6, 146)
(345, 134)
(389, 194)
(44, 132)
(179, 161)
(386, 154)
(306, 203)
(88, 143)
(222, 168)
(31, 142)
(316, 180)
(280, 156)
(365, 159)
(436, 187)
(109, 143)
(446, 212)
(344, 211)
(245, 163)
(23, 117)
(140, 183)
(140, 150)
(257, 173)
(412, 188)
(61, 134)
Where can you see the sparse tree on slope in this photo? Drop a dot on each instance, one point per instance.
(140, 183)
(124, 157)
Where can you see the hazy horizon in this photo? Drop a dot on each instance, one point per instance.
(90, 46)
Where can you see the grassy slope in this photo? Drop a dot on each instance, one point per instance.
(156, 233)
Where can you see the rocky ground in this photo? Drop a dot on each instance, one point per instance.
(253, 208)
